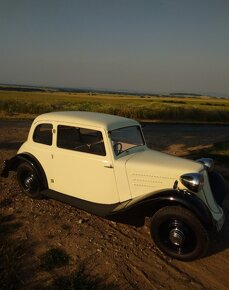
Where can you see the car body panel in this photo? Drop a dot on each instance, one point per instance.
(91, 180)
(151, 170)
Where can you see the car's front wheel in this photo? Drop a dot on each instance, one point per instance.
(29, 181)
(179, 233)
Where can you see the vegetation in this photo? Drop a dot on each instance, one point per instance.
(20, 104)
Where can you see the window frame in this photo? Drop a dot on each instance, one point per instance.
(40, 142)
(133, 147)
(83, 144)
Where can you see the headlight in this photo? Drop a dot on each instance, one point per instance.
(193, 181)
(207, 162)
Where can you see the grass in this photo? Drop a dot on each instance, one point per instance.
(16, 104)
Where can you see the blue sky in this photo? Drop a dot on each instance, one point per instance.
(144, 45)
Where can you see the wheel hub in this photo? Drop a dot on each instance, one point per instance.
(29, 182)
(177, 237)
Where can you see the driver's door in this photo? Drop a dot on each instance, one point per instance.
(82, 167)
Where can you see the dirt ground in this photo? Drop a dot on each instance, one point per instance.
(116, 256)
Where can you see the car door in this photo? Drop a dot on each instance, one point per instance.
(82, 166)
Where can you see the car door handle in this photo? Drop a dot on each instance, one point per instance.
(107, 164)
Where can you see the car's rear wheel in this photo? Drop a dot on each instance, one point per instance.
(179, 233)
(29, 181)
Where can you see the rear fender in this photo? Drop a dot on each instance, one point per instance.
(13, 163)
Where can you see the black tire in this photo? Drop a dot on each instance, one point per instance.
(29, 181)
(178, 233)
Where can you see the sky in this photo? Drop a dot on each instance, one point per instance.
(135, 45)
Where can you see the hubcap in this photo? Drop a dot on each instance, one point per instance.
(29, 183)
(176, 237)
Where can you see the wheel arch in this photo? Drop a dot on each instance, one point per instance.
(137, 212)
(33, 162)
(184, 199)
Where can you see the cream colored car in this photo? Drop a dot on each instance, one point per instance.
(101, 163)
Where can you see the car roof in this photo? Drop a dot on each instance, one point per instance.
(105, 121)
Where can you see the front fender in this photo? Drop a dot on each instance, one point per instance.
(137, 212)
(218, 186)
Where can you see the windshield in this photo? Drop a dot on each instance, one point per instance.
(126, 138)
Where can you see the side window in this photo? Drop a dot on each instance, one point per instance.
(43, 134)
(80, 139)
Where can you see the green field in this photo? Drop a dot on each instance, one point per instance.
(16, 104)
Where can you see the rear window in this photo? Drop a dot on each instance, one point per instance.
(43, 134)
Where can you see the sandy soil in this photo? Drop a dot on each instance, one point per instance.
(122, 256)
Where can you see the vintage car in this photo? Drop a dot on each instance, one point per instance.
(101, 163)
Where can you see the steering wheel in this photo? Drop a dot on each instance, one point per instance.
(117, 148)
